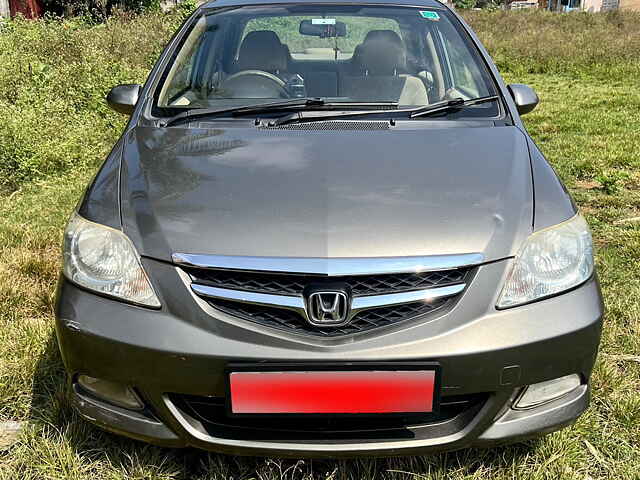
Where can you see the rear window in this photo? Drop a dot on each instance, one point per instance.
(304, 47)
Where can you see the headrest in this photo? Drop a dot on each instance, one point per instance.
(384, 35)
(262, 50)
(382, 53)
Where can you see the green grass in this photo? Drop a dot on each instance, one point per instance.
(587, 125)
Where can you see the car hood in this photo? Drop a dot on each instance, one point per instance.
(297, 193)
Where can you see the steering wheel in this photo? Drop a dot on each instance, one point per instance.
(255, 84)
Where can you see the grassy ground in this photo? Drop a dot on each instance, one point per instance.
(587, 125)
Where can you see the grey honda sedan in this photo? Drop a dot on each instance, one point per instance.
(325, 231)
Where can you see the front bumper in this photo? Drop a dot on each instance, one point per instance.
(183, 349)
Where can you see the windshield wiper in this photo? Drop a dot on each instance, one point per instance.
(323, 110)
(448, 105)
(294, 103)
(434, 108)
(261, 107)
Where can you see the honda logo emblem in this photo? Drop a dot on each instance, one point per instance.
(328, 308)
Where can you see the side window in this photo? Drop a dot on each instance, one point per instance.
(464, 72)
(184, 71)
(179, 78)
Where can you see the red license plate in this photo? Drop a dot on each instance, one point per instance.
(317, 392)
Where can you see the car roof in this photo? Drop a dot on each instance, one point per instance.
(239, 3)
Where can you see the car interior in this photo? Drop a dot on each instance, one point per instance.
(379, 64)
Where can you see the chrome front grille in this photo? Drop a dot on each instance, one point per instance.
(378, 295)
(294, 284)
(291, 321)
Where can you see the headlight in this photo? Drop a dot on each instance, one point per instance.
(104, 260)
(551, 261)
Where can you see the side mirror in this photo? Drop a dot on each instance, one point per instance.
(123, 98)
(524, 97)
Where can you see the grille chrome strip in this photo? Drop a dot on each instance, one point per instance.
(296, 303)
(374, 301)
(330, 266)
(281, 301)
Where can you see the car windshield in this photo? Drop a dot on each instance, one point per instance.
(244, 56)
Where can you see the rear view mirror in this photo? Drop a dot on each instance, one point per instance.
(123, 98)
(323, 28)
(524, 97)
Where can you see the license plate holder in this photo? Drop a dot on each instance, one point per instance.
(335, 389)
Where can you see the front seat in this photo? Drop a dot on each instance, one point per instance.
(381, 65)
(260, 71)
(388, 37)
(262, 50)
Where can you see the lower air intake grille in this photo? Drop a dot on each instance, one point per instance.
(209, 415)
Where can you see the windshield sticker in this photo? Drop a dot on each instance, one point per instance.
(430, 15)
(323, 21)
